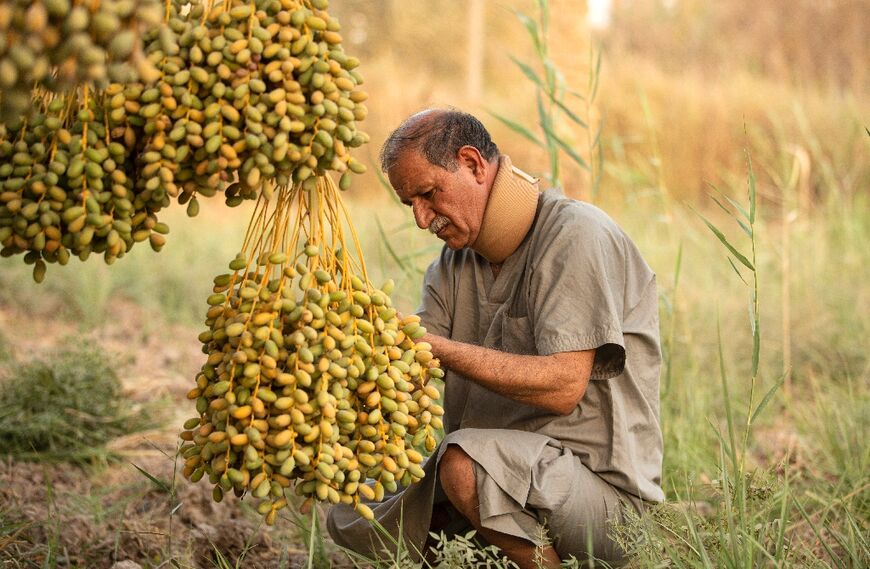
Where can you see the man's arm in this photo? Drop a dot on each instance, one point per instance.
(556, 382)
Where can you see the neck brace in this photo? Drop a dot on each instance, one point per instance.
(510, 211)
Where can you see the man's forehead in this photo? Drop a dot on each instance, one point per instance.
(411, 171)
(410, 157)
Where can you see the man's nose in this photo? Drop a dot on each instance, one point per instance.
(422, 215)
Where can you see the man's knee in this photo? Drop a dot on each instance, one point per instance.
(456, 473)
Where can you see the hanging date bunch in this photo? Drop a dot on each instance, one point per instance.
(241, 96)
(251, 94)
(60, 44)
(66, 184)
(313, 382)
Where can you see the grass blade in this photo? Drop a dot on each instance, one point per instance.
(528, 72)
(721, 237)
(780, 550)
(162, 485)
(737, 205)
(544, 7)
(844, 545)
(546, 122)
(756, 346)
(766, 399)
(568, 149)
(860, 534)
(595, 75)
(519, 129)
(531, 28)
(818, 534)
(571, 115)
(742, 225)
(752, 192)
(736, 270)
(722, 440)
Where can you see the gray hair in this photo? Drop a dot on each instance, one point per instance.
(438, 134)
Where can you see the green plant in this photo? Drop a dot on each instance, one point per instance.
(464, 551)
(747, 528)
(554, 100)
(310, 533)
(64, 407)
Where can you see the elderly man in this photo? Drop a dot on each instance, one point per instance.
(544, 315)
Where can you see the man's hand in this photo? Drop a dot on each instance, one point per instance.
(556, 382)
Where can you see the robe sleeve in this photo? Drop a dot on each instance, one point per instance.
(435, 308)
(577, 292)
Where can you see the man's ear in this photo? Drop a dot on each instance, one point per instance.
(470, 157)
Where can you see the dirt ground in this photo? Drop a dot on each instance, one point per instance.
(111, 515)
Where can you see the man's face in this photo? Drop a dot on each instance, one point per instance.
(448, 203)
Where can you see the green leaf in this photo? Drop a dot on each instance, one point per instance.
(726, 448)
(568, 150)
(528, 72)
(766, 399)
(545, 122)
(843, 542)
(719, 235)
(595, 75)
(859, 534)
(598, 150)
(780, 551)
(736, 270)
(721, 206)
(756, 346)
(570, 113)
(575, 94)
(733, 202)
(544, 7)
(752, 193)
(162, 485)
(822, 540)
(742, 225)
(519, 129)
(596, 142)
(553, 77)
(531, 28)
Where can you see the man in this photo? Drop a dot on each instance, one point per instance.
(545, 317)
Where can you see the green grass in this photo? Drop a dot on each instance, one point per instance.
(66, 406)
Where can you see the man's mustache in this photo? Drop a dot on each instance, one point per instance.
(438, 224)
